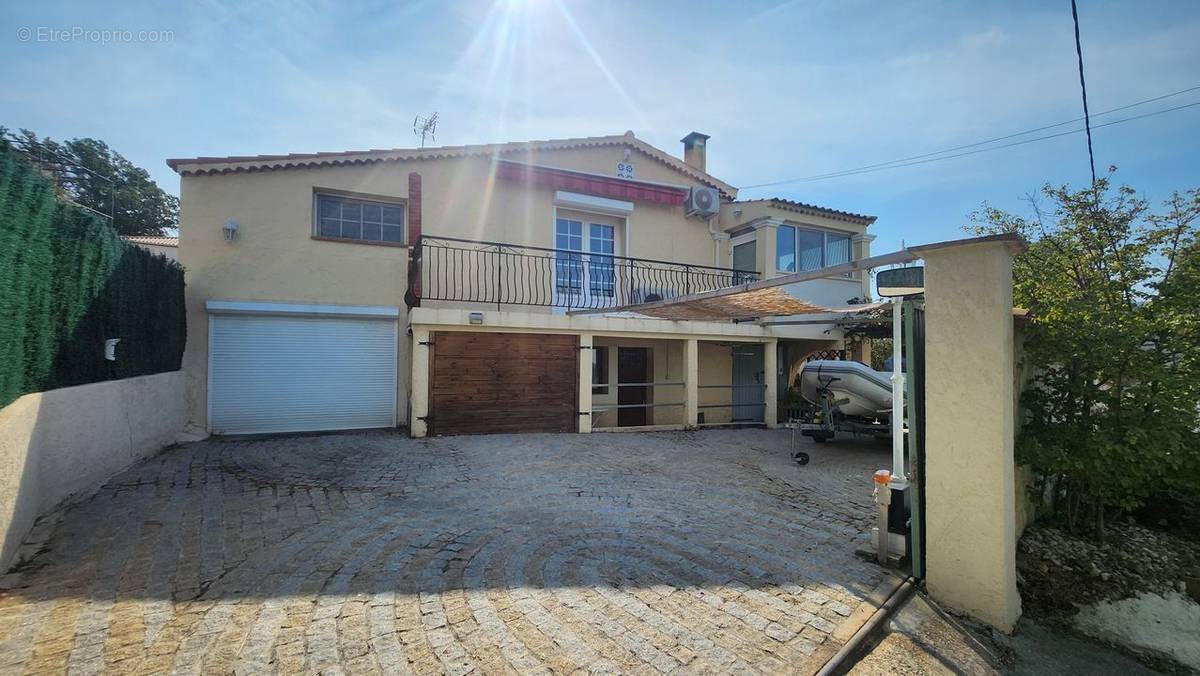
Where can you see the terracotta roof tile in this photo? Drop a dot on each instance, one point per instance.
(151, 241)
(801, 207)
(240, 163)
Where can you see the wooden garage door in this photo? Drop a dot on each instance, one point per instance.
(503, 382)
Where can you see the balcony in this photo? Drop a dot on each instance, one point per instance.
(495, 273)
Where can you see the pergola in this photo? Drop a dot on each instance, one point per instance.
(768, 298)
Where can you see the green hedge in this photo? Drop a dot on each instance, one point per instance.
(67, 283)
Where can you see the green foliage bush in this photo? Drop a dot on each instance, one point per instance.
(67, 283)
(93, 175)
(1112, 412)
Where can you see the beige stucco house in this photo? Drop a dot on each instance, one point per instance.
(440, 289)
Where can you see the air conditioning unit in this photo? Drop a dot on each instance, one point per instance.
(705, 202)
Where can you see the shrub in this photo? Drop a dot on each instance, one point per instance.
(67, 283)
(1111, 413)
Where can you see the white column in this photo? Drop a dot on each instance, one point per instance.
(771, 374)
(899, 480)
(691, 379)
(419, 396)
(862, 244)
(586, 357)
(970, 500)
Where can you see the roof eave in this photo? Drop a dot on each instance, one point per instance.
(238, 164)
(800, 207)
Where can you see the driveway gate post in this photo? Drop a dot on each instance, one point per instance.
(970, 520)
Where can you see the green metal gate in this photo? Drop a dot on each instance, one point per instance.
(914, 343)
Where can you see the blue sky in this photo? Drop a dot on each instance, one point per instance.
(785, 89)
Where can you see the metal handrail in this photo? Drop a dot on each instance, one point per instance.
(506, 245)
(481, 271)
(612, 407)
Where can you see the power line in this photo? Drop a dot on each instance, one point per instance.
(854, 172)
(1087, 121)
(909, 161)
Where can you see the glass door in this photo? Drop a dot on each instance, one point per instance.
(601, 268)
(585, 270)
(568, 263)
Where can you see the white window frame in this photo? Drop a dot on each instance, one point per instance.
(620, 234)
(597, 286)
(580, 283)
(382, 201)
(825, 234)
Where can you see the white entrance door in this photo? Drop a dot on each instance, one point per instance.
(279, 373)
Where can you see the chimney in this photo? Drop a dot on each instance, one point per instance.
(693, 150)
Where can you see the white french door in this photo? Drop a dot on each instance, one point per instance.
(584, 268)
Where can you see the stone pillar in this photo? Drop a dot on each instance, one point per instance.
(586, 357)
(771, 376)
(418, 398)
(969, 483)
(691, 379)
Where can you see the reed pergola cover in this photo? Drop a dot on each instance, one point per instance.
(767, 297)
(769, 302)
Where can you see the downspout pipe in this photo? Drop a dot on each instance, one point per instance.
(717, 238)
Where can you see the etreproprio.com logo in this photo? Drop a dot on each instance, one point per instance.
(103, 36)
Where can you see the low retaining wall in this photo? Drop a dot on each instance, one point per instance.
(58, 443)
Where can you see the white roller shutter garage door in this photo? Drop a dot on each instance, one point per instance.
(280, 373)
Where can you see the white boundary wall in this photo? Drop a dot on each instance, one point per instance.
(59, 443)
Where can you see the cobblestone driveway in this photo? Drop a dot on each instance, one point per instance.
(373, 553)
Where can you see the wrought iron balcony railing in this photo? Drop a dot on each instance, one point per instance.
(495, 273)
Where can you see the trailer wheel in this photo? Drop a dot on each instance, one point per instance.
(801, 458)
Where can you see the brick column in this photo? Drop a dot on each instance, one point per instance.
(412, 296)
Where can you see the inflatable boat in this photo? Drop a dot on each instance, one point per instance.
(856, 389)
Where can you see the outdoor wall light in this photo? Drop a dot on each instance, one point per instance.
(110, 348)
(475, 318)
(230, 230)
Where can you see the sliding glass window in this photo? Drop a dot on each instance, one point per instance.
(802, 249)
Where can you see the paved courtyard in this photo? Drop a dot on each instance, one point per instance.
(373, 553)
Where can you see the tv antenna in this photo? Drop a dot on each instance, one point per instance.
(425, 127)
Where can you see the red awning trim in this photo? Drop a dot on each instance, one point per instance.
(603, 186)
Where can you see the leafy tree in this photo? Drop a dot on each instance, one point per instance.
(1112, 412)
(93, 175)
